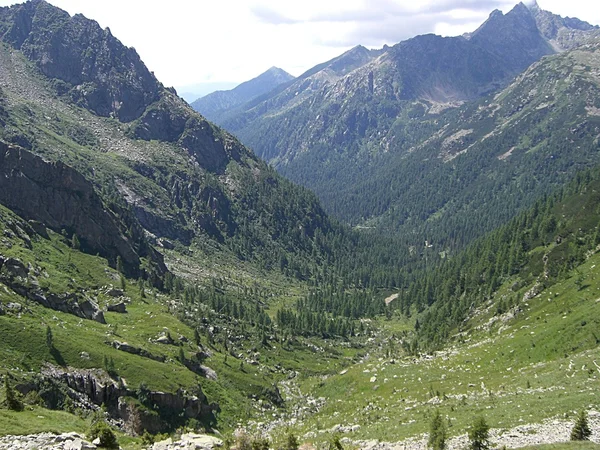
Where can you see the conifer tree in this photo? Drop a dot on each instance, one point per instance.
(581, 431)
(479, 436)
(49, 338)
(437, 432)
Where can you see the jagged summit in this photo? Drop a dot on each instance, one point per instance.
(89, 63)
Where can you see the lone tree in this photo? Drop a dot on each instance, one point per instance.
(49, 338)
(479, 435)
(10, 398)
(437, 432)
(581, 431)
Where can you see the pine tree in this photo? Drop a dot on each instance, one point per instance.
(479, 435)
(10, 399)
(581, 431)
(49, 338)
(120, 267)
(437, 432)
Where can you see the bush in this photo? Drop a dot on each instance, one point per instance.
(581, 431)
(437, 432)
(100, 429)
(291, 442)
(479, 435)
(260, 444)
(335, 444)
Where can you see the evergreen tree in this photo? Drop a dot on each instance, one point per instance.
(437, 432)
(120, 267)
(581, 431)
(49, 338)
(10, 398)
(479, 435)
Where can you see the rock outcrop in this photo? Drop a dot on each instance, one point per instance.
(20, 279)
(125, 347)
(62, 199)
(189, 441)
(46, 441)
(96, 387)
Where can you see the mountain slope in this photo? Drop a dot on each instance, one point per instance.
(182, 178)
(213, 105)
(93, 187)
(380, 150)
(343, 137)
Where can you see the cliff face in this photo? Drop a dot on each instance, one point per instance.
(62, 199)
(94, 386)
(90, 65)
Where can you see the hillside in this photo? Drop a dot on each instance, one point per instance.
(147, 240)
(217, 103)
(157, 278)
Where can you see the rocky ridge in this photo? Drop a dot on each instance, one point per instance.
(212, 105)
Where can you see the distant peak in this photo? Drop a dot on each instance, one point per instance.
(532, 5)
(496, 13)
(522, 7)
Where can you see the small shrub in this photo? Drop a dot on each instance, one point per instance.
(581, 431)
(479, 435)
(101, 430)
(243, 441)
(335, 444)
(260, 444)
(291, 442)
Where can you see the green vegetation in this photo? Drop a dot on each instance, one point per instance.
(437, 432)
(274, 315)
(479, 435)
(581, 431)
(101, 430)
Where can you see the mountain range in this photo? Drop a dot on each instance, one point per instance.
(349, 128)
(213, 105)
(156, 276)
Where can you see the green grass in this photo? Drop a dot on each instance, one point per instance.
(535, 366)
(35, 420)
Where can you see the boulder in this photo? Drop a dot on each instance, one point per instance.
(118, 308)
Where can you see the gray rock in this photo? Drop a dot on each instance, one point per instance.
(118, 308)
(113, 292)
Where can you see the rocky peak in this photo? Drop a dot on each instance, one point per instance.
(514, 37)
(563, 33)
(93, 67)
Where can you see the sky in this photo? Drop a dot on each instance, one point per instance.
(201, 45)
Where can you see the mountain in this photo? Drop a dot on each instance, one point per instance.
(356, 138)
(180, 176)
(214, 104)
(126, 217)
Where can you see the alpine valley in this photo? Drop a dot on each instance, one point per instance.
(162, 286)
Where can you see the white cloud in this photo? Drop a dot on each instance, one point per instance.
(189, 42)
